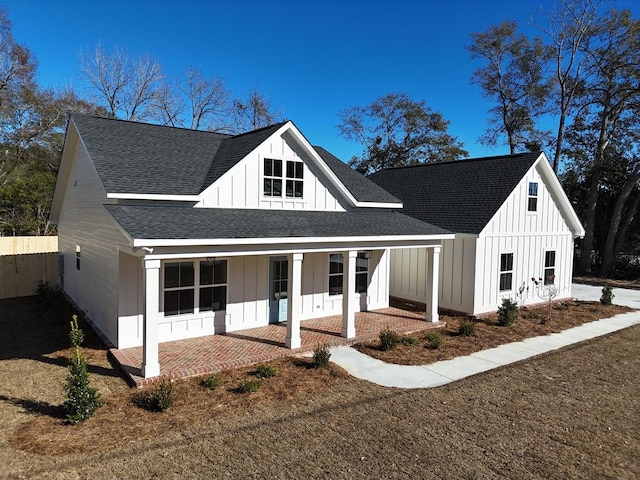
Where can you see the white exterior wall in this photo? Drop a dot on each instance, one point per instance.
(528, 235)
(469, 267)
(85, 222)
(242, 185)
(247, 297)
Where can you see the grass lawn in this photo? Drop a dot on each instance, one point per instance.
(574, 413)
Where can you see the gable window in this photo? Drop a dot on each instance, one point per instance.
(549, 267)
(532, 204)
(362, 272)
(294, 179)
(272, 177)
(506, 271)
(292, 176)
(77, 257)
(189, 286)
(336, 269)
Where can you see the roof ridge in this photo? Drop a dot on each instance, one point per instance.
(136, 122)
(279, 124)
(464, 160)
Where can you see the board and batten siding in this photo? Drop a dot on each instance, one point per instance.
(242, 185)
(470, 266)
(247, 297)
(528, 235)
(85, 223)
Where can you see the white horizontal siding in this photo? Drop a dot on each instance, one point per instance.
(85, 222)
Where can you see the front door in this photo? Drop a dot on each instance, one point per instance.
(278, 283)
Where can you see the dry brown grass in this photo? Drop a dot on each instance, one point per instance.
(615, 283)
(532, 322)
(569, 414)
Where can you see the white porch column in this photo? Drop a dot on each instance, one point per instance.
(348, 294)
(432, 276)
(294, 301)
(150, 365)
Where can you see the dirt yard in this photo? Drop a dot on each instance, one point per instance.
(574, 413)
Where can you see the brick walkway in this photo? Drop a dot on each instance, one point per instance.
(197, 356)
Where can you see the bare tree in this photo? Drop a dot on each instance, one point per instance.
(253, 112)
(568, 31)
(209, 104)
(129, 89)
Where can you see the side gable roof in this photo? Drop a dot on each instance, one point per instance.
(363, 189)
(141, 158)
(135, 158)
(460, 196)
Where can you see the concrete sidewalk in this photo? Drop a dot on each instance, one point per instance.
(435, 374)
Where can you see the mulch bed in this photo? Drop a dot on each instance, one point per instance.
(123, 419)
(532, 322)
(598, 282)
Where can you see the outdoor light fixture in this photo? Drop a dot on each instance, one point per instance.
(210, 261)
(367, 254)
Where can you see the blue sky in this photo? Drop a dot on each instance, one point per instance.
(312, 59)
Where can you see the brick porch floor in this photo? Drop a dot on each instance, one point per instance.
(197, 356)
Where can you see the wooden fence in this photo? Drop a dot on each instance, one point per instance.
(20, 245)
(25, 261)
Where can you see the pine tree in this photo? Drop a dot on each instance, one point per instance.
(82, 399)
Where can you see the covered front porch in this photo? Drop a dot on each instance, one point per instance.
(212, 353)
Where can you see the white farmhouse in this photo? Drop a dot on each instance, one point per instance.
(167, 233)
(512, 222)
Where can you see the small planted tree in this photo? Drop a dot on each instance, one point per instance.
(607, 295)
(547, 291)
(82, 400)
(507, 312)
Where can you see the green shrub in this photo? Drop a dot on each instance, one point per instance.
(388, 339)
(82, 400)
(162, 395)
(76, 335)
(250, 386)
(321, 355)
(467, 328)
(409, 340)
(607, 295)
(434, 340)
(211, 381)
(265, 371)
(507, 312)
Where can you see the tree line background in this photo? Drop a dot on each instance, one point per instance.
(572, 90)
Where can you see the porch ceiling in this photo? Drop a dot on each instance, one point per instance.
(213, 353)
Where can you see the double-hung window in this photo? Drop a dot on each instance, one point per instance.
(213, 285)
(362, 272)
(336, 270)
(294, 179)
(272, 177)
(549, 267)
(191, 286)
(506, 271)
(532, 199)
(275, 176)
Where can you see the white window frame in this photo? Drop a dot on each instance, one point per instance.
(78, 253)
(196, 263)
(551, 268)
(337, 275)
(293, 183)
(532, 196)
(502, 272)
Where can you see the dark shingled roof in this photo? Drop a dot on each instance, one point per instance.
(162, 222)
(234, 149)
(459, 196)
(140, 158)
(363, 189)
